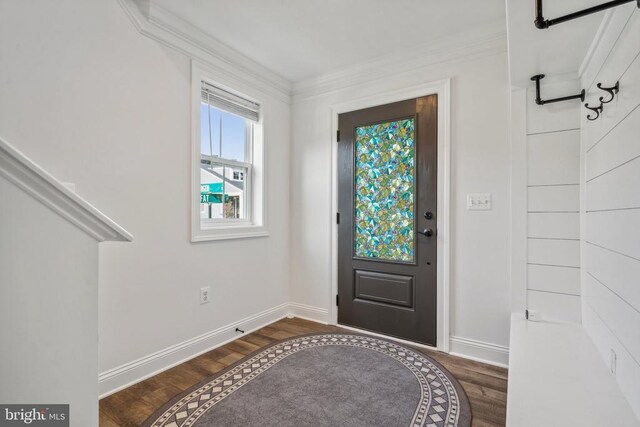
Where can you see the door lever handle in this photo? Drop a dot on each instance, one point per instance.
(427, 232)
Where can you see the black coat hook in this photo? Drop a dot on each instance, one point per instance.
(612, 91)
(596, 110)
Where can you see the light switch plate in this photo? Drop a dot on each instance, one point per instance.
(479, 201)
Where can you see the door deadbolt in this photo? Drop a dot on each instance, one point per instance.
(428, 215)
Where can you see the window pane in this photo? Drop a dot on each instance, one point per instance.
(222, 192)
(234, 137)
(209, 131)
(235, 191)
(384, 188)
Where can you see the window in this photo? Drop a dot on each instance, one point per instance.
(227, 177)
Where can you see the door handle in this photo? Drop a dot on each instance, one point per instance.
(427, 232)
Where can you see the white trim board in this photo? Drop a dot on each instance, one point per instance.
(163, 26)
(519, 200)
(464, 47)
(21, 171)
(442, 88)
(491, 354)
(479, 351)
(128, 374)
(308, 312)
(158, 24)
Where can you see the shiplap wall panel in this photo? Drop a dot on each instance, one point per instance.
(611, 279)
(621, 273)
(547, 278)
(553, 205)
(618, 189)
(553, 158)
(622, 319)
(554, 306)
(554, 198)
(552, 117)
(627, 370)
(554, 225)
(616, 148)
(616, 230)
(564, 253)
(622, 64)
(615, 26)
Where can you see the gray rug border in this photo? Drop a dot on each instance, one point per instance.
(466, 416)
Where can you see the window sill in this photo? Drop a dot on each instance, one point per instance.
(228, 232)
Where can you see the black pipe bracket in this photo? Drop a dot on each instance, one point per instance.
(542, 23)
(541, 101)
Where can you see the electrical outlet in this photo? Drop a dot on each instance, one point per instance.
(533, 315)
(479, 202)
(612, 361)
(205, 295)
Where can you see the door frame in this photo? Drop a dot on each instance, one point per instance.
(442, 88)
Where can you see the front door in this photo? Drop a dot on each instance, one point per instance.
(387, 203)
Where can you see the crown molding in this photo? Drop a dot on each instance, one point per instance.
(165, 27)
(38, 183)
(462, 48)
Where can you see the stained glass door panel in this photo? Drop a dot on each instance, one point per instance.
(384, 191)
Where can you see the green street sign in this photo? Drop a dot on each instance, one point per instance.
(211, 188)
(212, 193)
(210, 198)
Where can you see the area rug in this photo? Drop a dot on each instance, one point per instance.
(323, 380)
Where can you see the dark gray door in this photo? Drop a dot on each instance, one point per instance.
(387, 160)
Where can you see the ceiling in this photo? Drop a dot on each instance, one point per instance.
(302, 39)
(556, 52)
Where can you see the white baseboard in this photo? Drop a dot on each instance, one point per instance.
(130, 373)
(308, 312)
(479, 351)
(123, 376)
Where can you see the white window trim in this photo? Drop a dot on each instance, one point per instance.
(256, 226)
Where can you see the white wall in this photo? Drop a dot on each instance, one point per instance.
(48, 304)
(611, 207)
(480, 163)
(553, 204)
(99, 105)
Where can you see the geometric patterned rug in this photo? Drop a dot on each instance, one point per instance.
(323, 379)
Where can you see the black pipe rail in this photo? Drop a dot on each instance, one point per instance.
(542, 23)
(541, 101)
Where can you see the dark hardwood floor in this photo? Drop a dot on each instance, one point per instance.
(485, 385)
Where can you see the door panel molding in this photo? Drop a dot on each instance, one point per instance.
(385, 288)
(442, 89)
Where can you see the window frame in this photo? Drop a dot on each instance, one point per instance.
(255, 223)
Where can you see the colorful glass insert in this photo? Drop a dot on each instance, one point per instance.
(384, 187)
